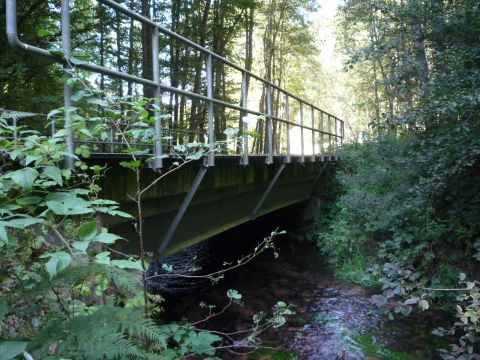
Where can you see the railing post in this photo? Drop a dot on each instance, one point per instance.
(336, 134)
(244, 123)
(158, 150)
(302, 157)
(330, 136)
(211, 142)
(288, 158)
(313, 134)
(342, 131)
(269, 125)
(322, 137)
(112, 145)
(67, 90)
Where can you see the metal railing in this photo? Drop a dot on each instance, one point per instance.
(319, 135)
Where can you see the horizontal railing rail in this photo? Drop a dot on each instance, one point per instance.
(319, 136)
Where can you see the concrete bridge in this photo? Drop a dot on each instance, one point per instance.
(297, 146)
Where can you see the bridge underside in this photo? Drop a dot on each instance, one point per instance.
(228, 195)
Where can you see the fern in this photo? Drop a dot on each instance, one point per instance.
(16, 115)
(126, 281)
(109, 333)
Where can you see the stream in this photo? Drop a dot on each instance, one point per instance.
(333, 319)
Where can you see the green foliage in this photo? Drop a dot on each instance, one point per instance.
(408, 207)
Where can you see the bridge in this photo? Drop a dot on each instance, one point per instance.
(293, 148)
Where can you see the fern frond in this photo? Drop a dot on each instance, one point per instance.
(126, 282)
(16, 115)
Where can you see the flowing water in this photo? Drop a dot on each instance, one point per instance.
(333, 319)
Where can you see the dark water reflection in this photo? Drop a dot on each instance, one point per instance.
(331, 316)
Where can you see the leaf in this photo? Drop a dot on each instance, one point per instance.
(103, 258)
(22, 223)
(279, 321)
(54, 173)
(41, 33)
(56, 112)
(25, 178)
(423, 304)
(134, 164)
(127, 264)
(411, 301)
(107, 238)
(234, 294)
(11, 349)
(81, 245)
(31, 158)
(88, 231)
(97, 101)
(29, 200)
(78, 95)
(3, 234)
(71, 205)
(58, 261)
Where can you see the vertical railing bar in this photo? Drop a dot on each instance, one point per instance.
(67, 90)
(313, 133)
(288, 159)
(245, 159)
(269, 125)
(302, 157)
(112, 149)
(211, 141)
(158, 150)
(329, 136)
(322, 136)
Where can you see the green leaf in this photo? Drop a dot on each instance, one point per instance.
(56, 112)
(3, 234)
(29, 200)
(103, 258)
(234, 294)
(127, 264)
(72, 205)
(58, 261)
(54, 173)
(107, 238)
(88, 231)
(96, 101)
(81, 245)
(22, 223)
(41, 33)
(31, 158)
(11, 349)
(134, 164)
(25, 178)
(78, 95)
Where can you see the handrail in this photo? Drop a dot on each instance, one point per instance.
(68, 61)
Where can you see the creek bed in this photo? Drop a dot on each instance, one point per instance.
(332, 317)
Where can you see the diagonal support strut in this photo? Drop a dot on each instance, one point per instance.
(268, 190)
(317, 177)
(182, 209)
